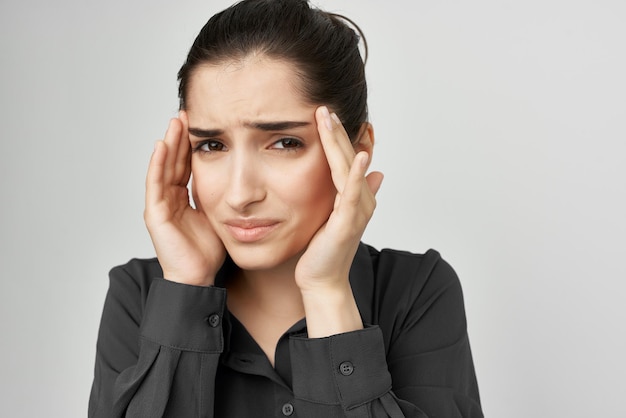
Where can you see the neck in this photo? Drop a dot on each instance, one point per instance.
(270, 292)
(267, 303)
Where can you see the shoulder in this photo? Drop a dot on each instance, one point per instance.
(412, 272)
(130, 282)
(138, 268)
(415, 291)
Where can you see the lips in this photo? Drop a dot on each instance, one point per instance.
(250, 230)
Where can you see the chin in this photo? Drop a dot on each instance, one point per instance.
(254, 258)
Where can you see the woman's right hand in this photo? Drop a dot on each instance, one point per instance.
(188, 249)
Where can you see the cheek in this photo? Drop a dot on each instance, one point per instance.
(205, 187)
(311, 189)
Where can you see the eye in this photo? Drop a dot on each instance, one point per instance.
(287, 144)
(210, 145)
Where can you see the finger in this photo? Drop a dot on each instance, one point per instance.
(343, 140)
(338, 161)
(154, 178)
(183, 160)
(374, 180)
(172, 141)
(361, 190)
(353, 191)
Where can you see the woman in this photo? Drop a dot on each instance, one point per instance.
(262, 301)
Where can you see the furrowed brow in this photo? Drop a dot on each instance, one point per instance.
(276, 126)
(205, 133)
(262, 126)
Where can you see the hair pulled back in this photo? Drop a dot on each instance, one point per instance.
(322, 47)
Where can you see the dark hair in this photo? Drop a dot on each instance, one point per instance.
(321, 45)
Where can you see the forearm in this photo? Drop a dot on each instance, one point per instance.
(150, 340)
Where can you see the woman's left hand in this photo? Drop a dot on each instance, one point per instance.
(324, 267)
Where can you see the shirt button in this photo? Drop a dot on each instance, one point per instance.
(287, 409)
(213, 320)
(346, 368)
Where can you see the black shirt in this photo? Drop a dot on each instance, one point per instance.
(171, 350)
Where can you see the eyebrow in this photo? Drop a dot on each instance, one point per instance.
(262, 126)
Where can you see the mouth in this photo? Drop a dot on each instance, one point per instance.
(250, 230)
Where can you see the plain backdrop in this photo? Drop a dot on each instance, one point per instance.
(500, 126)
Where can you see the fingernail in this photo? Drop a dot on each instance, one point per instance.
(326, 116)
(336, 118)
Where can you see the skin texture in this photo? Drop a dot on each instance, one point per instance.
(288, 203)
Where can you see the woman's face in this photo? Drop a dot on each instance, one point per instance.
(259, 170)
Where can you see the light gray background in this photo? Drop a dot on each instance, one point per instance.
(500, 128)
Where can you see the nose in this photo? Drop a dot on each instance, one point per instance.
(245, 183)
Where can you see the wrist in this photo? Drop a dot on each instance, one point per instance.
(330, 311)
(202, 281)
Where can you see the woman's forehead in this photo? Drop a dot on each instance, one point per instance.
(250, 91)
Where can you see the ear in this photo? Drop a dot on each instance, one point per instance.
(365, 139)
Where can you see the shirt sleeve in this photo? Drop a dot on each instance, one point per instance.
(420, 367)
(344, 373)
(153, 335)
